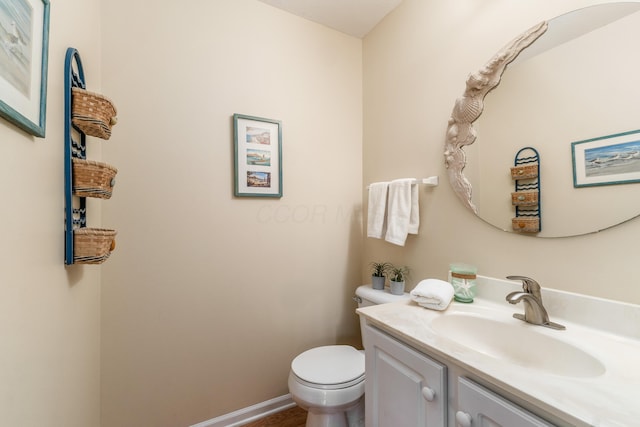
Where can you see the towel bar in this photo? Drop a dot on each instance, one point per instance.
(431, 181)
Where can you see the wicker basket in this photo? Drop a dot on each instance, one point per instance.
(524, 224)
(525, 198)
(524, 172)
(93, 113)
(93, 245)
(93, 179)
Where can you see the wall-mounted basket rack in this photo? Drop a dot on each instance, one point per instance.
(526, 198)
(84, 113)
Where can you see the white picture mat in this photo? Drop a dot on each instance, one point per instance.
(246, 128)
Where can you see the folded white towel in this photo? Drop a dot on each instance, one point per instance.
(432, 293)
(403, 216)
(377, 209)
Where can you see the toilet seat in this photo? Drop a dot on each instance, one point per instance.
(329, 367)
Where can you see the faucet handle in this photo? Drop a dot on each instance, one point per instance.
(529, 285)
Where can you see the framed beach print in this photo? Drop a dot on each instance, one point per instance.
(24, 31)
(607, 160)
(258, 156)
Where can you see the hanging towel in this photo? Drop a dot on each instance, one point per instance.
(432, 293)
(403, 216)
(414, 217)
(377, 209)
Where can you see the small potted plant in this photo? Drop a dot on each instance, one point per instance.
(397, 276)
(379, 274)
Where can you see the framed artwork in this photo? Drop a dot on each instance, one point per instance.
(258, 156)
(607, 160)
(24, 27)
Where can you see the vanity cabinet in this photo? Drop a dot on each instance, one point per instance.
(479, 407)
(405, 387)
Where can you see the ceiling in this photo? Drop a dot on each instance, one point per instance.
(353, 17)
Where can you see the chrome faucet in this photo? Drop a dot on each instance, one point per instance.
(534, 311)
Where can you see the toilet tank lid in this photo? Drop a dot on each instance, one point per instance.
(377, 296)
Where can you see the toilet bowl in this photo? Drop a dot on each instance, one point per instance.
(328, 381)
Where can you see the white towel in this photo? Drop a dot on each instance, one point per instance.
(403, 216)
(377, 209)
(432, 293)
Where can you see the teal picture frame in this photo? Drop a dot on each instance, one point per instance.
(24, 56)
(606, 160)
(257, 145)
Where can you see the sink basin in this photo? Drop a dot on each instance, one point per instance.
(518, 343)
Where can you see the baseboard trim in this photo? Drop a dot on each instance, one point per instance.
(250, 413)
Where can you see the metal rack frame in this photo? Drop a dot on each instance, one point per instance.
(74, 146)
(529, 156)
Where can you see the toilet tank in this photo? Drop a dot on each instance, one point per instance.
(366, 296)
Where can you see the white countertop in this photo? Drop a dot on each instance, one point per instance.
(611, 399)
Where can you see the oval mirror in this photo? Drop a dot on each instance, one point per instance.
(570, 91)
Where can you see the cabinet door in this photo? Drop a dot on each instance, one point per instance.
(402, 387)
(479, 407)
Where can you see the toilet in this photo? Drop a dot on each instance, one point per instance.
(328, 381)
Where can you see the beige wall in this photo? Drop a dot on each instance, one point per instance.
(415, 66)
(49, 314)
(208, 297)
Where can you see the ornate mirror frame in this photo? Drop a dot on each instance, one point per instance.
(468, 108)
